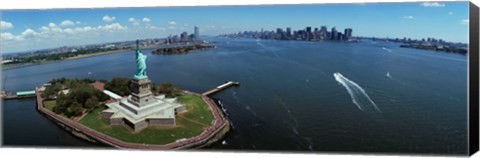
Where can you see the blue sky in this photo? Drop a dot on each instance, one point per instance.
(23, 30)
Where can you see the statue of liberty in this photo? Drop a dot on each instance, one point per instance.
(141, 65)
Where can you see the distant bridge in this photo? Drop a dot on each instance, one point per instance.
(221, 87)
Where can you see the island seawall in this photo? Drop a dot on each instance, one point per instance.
(209, 136)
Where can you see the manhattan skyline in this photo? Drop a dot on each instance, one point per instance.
(24, 30)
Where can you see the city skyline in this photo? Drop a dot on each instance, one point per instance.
(67, 27)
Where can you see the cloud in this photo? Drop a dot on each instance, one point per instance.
(450, 13)
(172, 23)
(172, 27)
(52, 32)
(464, 21)
(5, 25)
(432, 4)
(146, 20)
(113, 27)
(67, 23)
(134, 21)
(51, 24)
(7, 36)
(155, 28)
(408, 17)
(77, 22)
(107, 18)
(28, 33)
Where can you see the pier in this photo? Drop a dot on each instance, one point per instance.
(221, 87)
(18, 95)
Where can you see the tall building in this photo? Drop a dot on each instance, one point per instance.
(289, 32)
(308, 33)
(184, 37)
(339, 36)
(348, 34)
(323, 32)
(196, 32)
(334, 34)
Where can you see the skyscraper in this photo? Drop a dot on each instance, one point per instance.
(334, 34)
(308, 33)
(183, 36)
(348, 34)
(289, 32)
(323, 32)
(197, 33)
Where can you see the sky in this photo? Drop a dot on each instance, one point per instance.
(25, 30)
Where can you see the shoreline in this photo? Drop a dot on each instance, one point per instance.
(209, 136)
(20, 65)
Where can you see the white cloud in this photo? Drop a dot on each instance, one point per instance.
(155, 28)
(69, 31)
(432, 4)
(51, 24)
(112, 27)
(172, 23)
(146, 20)
(464, 21)
(52, 35)
(408, 17)
(131, 20)
(67, 23)
(450, 13)
(7, 36)
(77, 22)
(5, 25)
(29, 33)
(107, 18)
(53, 32)
(134, 21)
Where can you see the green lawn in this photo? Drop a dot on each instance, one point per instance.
(197, 110)
(50, 104)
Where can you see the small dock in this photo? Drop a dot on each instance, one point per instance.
(17, 95)
(221, 87)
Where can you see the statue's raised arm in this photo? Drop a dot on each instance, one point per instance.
(141, 64)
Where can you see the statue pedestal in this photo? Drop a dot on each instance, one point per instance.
(141, 93)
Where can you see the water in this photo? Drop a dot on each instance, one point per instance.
(357, 93)
(289, 99)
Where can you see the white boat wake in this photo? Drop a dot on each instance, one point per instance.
(388, 50)
(357, 93)
(388, 75)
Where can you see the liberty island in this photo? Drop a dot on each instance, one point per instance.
(141, 120)
(141, 108)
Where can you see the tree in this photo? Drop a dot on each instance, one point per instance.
(169, 90)
(61, 104)
(52, 90)
(120, 86)
(74, 110)
(91, 103)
